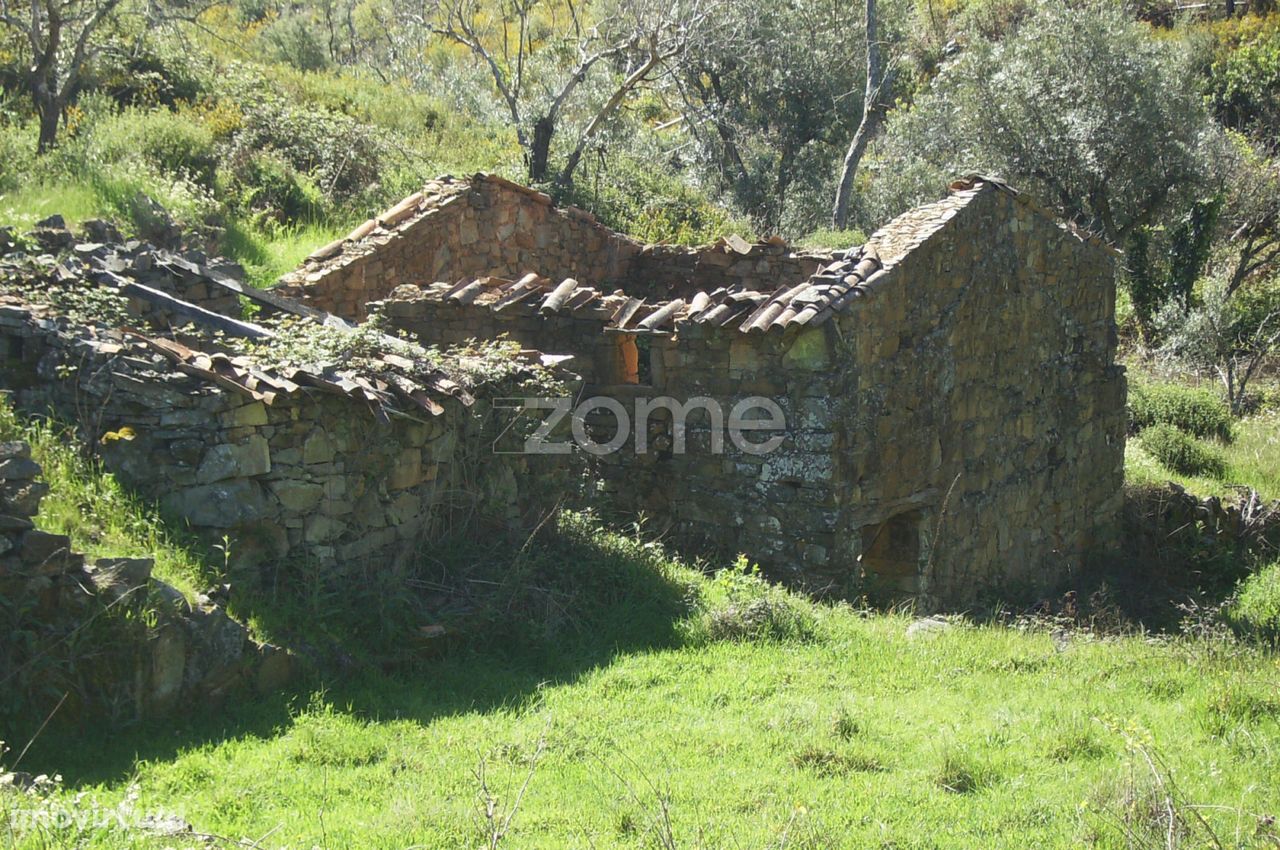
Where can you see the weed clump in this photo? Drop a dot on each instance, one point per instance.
(960, 772)
(827, 762)
(1182, 453)
(1197, 412)
(741, 605)
(1256, 608)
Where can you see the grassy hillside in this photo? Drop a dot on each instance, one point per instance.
(839, 730)
(608, 696)
(1252, 460)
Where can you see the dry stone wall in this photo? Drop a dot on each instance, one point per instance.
(457, 229)
(76, 632)
(312, 476)
(487, 226)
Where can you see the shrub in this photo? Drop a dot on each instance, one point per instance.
(1181, 452)
(169, 142)
(1256, 610)
(153, 73)
(633, 197)
(333, 151)
(741, 605)
(268, 185)
(1194, 411)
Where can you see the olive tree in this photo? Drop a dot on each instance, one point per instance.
(62, 36)
(1079, 104)
(1251, 217)
(1229, 335)
(541, 56)
(767, 108)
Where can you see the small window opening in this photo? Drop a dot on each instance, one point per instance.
(646, 353)
(626, 361)
(891, 550)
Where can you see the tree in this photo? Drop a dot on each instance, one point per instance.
(1079, 104)
(1229, 336)
(539, 74)
(768, 111)
(1252, 215)
(62, 37)
(873, 111)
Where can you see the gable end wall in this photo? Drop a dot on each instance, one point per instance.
(989, 406)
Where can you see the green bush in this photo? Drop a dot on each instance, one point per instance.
(1194, 411)
(1181, 452)
(333, 151)
(17, 153)
(633, 197)
(1256, 610)
(740, 605)
(170, 142)
(267, 185)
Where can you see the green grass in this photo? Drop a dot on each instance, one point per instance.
(1253, 460)
(979, 737)
(102, 519)
(640, 703)
(76, 203)
(1256, 609)
(833, 240)
(267, 256)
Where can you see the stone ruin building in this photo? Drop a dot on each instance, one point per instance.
(949, 418)
(953, 417)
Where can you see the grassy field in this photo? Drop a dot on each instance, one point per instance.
(1253, 460)
(857, 737)
(618, 698)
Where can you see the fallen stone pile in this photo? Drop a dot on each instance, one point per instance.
(1247, 520)
(106, 634)
(101, 254)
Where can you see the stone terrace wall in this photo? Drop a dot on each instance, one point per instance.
(985, 415)
(312, 476)
(192, 652)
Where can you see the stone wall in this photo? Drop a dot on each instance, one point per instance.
(779, 507)
(456, 229)
(76, 632)
(956, 428)
(983, 420)
(312, 475)
(486, 226)
(662, 272)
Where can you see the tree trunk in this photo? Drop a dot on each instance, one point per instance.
(872, 114)
(540, 148)
(50, 109)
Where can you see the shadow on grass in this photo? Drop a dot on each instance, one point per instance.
(571, 601)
